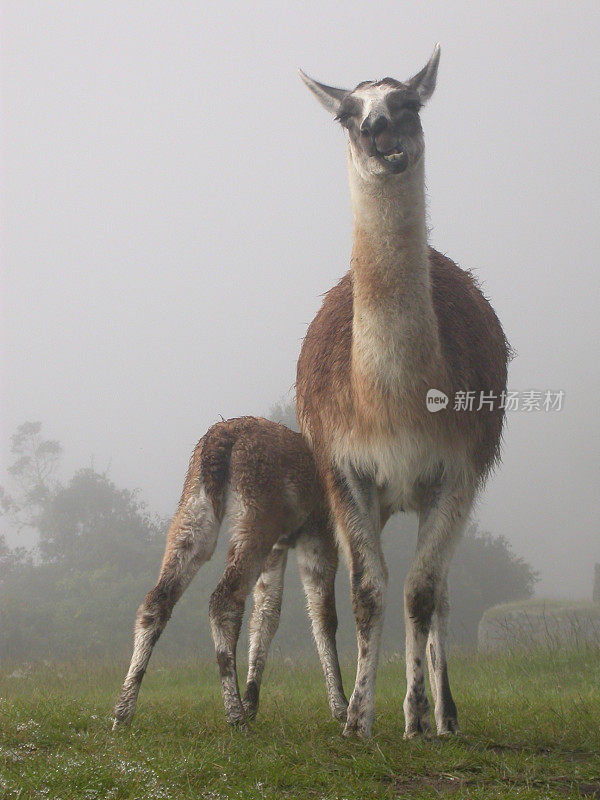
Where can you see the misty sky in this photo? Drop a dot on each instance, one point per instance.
(175, 202)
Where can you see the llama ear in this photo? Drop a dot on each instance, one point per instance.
(424, 81)
(329, 97)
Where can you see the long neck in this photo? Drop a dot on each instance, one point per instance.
(394, 325)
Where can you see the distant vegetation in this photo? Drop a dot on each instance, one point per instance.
(99, 551)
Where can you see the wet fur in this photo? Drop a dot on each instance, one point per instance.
(404, 320)
(259, 479)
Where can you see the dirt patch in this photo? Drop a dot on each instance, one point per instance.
(567, 755)
(440, 784)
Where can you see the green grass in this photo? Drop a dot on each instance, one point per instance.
(531, 727)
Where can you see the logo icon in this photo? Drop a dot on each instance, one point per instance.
(436, 400)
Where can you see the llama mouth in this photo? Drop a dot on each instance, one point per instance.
(394, 157)
(396, 160)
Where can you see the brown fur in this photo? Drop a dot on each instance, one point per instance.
(262, 477)
(474, 357)
(404, 321)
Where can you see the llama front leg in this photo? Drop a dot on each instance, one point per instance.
(318, 561)
(418, 609)
(355, 505)
(263, 624)
(190, 542)
(446, 716)
(425, 612)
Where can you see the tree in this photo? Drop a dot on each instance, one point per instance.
(485, 572)
(90, 522)
(285, 412)
(34, 473)
(99, 551)
(12, 559)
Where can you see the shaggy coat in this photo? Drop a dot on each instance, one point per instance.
(333, 395)
(404, 324)
(259, 478)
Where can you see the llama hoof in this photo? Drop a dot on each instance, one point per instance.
(244, 728)
(411, 735)
(238, 721)
(250, 710)
(339, 711)
(360, 717)
(236, 716)
(241, 726)
(250, 700)
(449, 727)
(421, 729)
(356, 730)
(356, 733)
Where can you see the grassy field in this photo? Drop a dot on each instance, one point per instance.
(531, 726)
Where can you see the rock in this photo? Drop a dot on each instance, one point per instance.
(546, 623)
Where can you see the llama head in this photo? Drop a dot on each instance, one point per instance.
(382, 119)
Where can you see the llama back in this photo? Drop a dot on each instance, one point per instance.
(251, 461)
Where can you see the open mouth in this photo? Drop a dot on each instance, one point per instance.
(396, 160)
(394, 156)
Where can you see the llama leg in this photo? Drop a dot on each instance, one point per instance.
(263, 623)
(318, 561)
(355, 505)
(446, 717)
(190, 542)
(440, 525)
(249, 548)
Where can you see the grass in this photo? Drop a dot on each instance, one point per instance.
(542, 606)
(531, 725)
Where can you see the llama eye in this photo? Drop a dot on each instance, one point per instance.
(343, 118)
(412, 105)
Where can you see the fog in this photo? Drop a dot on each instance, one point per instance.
(175, 203)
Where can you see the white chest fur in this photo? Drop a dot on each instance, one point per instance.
(401, 466)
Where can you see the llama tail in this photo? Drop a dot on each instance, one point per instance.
(214, 461)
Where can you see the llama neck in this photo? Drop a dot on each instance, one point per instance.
(394, 325)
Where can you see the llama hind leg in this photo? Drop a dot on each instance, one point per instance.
(249, 548)
(264, 623)
(190, 542)
(318, 561)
